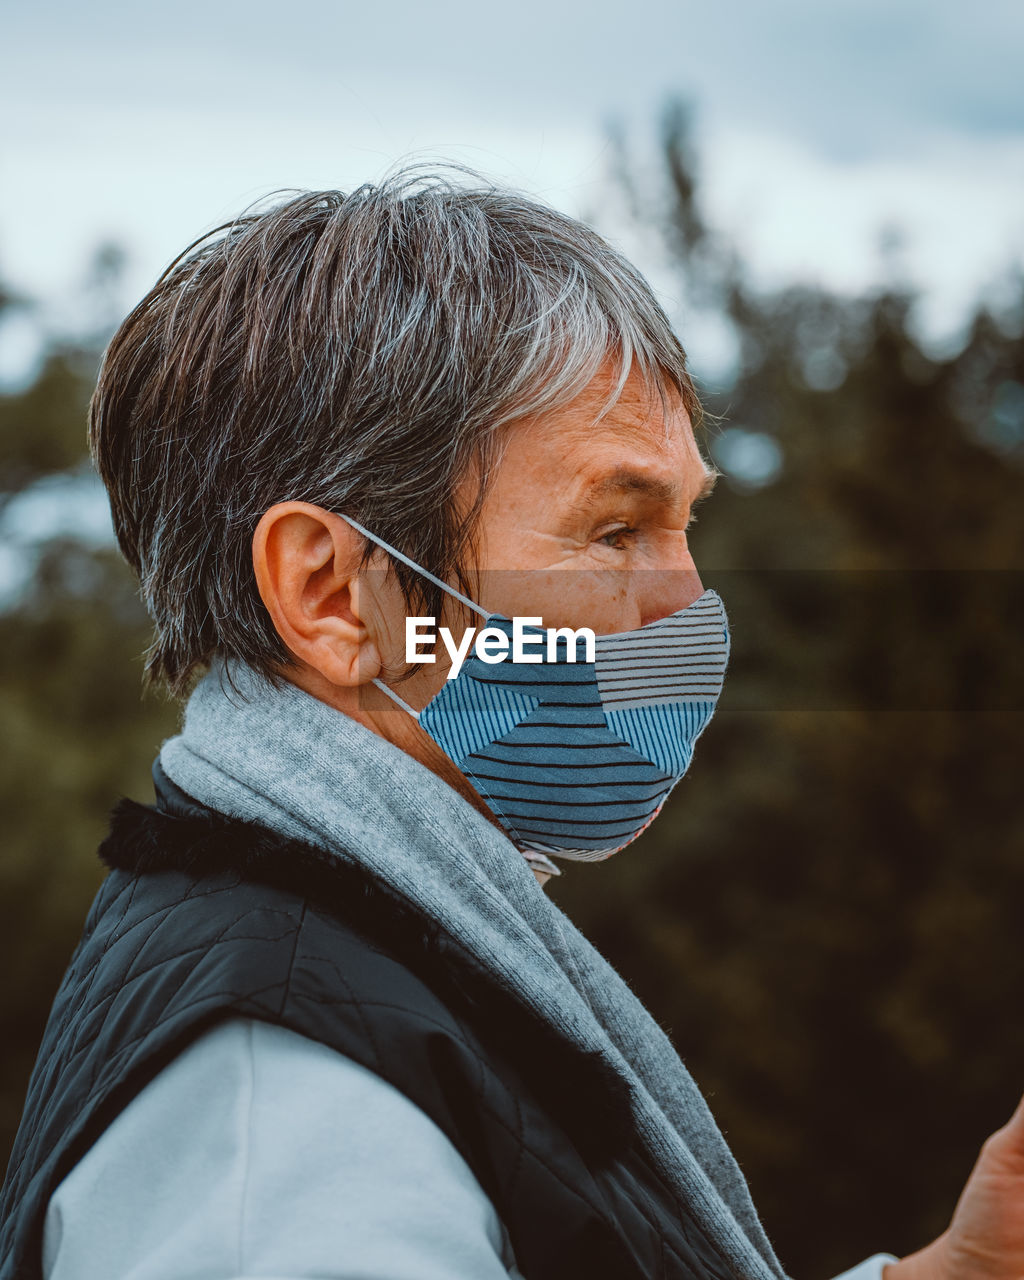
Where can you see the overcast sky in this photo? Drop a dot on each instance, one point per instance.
(818, 120)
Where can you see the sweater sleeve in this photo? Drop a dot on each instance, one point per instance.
(258, 1152)
(870, 1269)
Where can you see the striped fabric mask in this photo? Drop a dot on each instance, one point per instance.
(575, 759)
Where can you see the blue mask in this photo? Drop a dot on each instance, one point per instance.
(576, 759)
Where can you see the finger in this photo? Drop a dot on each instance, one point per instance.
(1015, 1124)
(1007, 1144)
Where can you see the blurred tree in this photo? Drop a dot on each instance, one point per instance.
(74, 732)
(827, 916)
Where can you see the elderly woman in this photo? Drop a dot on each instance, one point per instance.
(323, 1020)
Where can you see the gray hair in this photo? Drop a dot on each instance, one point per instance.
(358, 352)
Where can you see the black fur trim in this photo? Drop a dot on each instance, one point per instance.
(588, 1097)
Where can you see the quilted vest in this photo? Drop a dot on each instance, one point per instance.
(203, 917)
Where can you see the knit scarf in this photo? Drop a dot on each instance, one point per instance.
(286, 760)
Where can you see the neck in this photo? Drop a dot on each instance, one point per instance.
(377, 712)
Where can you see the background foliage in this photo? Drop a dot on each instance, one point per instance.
(827, 917)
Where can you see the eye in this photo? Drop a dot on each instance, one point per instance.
(619, 539)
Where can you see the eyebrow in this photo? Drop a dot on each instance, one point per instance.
(626, 480)
(708, 483)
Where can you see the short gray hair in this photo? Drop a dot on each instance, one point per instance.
(358, 352)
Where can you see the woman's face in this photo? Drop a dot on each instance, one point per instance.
(584, 524)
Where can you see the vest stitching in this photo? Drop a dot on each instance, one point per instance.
(286, 995)
(102, 1093)
(129, 889)
(517, 1167)
(57, 1059)
(62, 1059)
(160, 919)
(524, 1147)
(89, 981)
(460, 1039)
(111, 942)
(65, 1057)
(248, 1152)
(352, 1002)
(108, 996)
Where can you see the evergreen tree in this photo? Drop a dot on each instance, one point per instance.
(827, 915)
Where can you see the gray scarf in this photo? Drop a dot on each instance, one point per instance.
(282, 758)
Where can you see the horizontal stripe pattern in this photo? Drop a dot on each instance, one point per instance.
(577, 759)
(680, 659)
(594, 853)
(563, 779)
(566, 681)
(467, 715)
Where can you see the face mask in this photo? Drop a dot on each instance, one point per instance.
(575, 759)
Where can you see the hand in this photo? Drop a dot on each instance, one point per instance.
(985, 1240)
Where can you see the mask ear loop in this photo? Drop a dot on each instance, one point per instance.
(413, 565)
(391, 694)
(426, 574)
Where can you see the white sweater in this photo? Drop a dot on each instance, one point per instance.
(259, 1153)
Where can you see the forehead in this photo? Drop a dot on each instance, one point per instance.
(586, 439)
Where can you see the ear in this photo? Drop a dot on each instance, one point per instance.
(306, 562)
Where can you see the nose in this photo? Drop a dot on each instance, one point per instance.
(668, 589)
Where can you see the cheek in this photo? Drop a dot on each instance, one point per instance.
(603, 600)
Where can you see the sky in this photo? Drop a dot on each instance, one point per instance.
(818, 123)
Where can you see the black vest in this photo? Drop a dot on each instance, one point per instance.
(203, 917)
